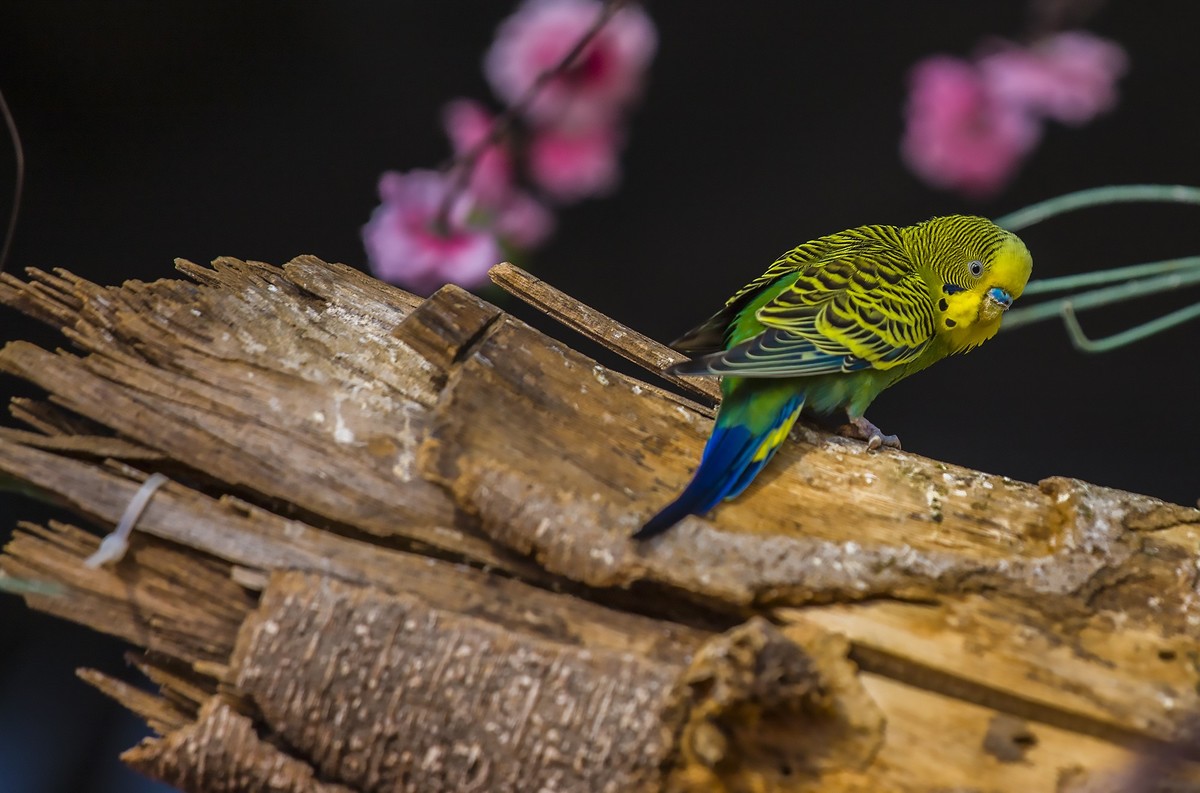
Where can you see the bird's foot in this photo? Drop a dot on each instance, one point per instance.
(863, 430)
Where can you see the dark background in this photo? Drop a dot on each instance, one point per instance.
(258, 129)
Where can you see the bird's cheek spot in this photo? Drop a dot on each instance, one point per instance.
(943, 304)
(949, 322)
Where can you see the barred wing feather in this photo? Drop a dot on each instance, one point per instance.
(845, 315)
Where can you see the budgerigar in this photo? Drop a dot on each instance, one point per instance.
(829, 326)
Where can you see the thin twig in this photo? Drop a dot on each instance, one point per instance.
(502, 125)
(1046, 17)
(624, 341)
(18, 179)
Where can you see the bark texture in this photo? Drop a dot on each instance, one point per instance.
(393, 554)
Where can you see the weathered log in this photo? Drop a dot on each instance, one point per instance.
(394, 555)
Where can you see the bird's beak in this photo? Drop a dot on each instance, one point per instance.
(1000, 297)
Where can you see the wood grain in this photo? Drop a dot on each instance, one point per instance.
(393, 554)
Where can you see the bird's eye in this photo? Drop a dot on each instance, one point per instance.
(976, 268)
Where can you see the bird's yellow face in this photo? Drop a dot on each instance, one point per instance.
(1004, 277)
(979, 286)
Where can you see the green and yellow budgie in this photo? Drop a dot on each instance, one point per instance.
(829, 326)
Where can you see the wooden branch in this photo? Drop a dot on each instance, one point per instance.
(623, 340)
(394, 555)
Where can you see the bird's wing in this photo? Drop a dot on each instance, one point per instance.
(861, 310)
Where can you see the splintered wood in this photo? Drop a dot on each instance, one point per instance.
(393, 554)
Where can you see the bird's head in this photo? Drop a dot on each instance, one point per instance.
(1004, 275)
(977, 268)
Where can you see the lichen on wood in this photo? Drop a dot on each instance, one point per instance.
(393, 554)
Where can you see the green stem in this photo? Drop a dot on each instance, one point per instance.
(1113, 194)
(1067, 282)
(1140, 279)
(1125, 337)
(1017, 317)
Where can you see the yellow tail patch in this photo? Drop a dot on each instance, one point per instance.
(775, 437)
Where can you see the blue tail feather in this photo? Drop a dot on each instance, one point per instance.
(747, 476)
(726, 469)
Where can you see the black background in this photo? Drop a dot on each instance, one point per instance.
(258, 129)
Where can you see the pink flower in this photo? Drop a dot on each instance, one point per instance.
(959, 134)
(604, 79)
(569, 166)
(523, 221)
(1070, 77)
(519, 218)
(468, 124)
(405, 246)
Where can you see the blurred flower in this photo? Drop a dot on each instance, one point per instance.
(405, 246)
(432, 228)
(970, 124)
(569, 166)
(960, 135)
(523, 221)
(467, 124)
(605, 77)
(519, 219)
(1069, 77)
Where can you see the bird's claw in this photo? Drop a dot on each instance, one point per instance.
(863, 430)
(877, 440)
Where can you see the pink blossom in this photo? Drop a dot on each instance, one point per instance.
(959, 134)
(519, 218)
(404, 245)
(1070, 77)
(569, 166)
(523, 221)
(468, 124)
(605, 78)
